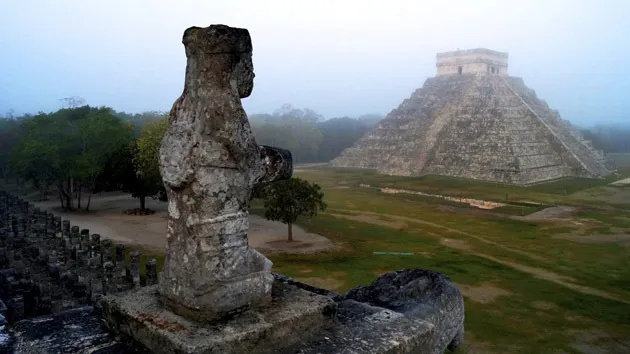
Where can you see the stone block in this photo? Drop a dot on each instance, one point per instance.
(74, 331)
(294, 315)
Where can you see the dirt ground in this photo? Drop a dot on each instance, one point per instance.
(463, 245)
(149, 231)
(614, 193)
(622, 182)
(620, 238)
(485, 293)
(559, 212)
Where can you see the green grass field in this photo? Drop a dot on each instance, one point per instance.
(530, 286)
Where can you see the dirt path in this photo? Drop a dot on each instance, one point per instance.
(370, 219)
(548, 275)
(551, 213)
(149, 231)
(462, 245)
(621, 182)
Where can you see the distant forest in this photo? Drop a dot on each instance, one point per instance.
(79, 149)
(612, 138)
(82, 149)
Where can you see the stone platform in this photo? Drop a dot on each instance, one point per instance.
(294, 315)
(403, 312)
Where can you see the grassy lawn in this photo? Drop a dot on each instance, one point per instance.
(551, 193)
(530, 285)
(555, 295)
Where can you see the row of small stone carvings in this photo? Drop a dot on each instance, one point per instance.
(48, 266)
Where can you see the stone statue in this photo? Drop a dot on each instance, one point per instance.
(209, 161)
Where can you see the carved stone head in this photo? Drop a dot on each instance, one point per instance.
(230, 52)
(243, 75)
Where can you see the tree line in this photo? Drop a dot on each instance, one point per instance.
(80, 149)
(612, 138)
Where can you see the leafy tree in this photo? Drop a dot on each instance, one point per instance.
(139, 120)
(67, 148)
(36, 157)
(9, 138)
(287, 200)
(100, 135)
(145, 160)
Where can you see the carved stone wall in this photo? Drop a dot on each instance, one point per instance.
(478, 61)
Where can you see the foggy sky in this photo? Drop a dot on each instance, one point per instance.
(337, 57)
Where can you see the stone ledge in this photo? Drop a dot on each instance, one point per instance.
(293, 315)
(74, 331)
(366, 329)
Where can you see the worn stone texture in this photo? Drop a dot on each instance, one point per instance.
(73, 331)
(293, 315)
(419, 293)
(484, 127)
(479, 61)
(48, 266)
(407, 311)
(209, 161)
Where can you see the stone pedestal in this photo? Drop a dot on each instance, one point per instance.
(294, 315)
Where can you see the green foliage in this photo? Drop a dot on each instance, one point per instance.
(68, 148)
(139, 120)
(147, 181)
(148, 147)
(99, 135)
(37, 156)
(541, 272)
(289, 129)
(287, 200)
(309, 138)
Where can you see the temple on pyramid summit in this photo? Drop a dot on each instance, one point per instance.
(472, 120)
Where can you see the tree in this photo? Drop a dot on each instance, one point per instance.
(100, 134)
(9, 139)
(146, 162)
(287, 200)
(36, 157)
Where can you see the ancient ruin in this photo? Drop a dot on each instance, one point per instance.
(215, 293)
(474, 121)
(209, 162)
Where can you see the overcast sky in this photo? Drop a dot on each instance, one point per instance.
(338, 57)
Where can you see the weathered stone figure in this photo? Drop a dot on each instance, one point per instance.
(209, 162)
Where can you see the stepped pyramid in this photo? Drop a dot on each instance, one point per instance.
(474, 121)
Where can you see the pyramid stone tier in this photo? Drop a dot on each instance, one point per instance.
(484, 127)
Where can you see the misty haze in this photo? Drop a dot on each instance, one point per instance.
(314, 177)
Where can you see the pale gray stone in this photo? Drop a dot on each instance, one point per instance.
(295, 315)
(209, 161)
(477, 126)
